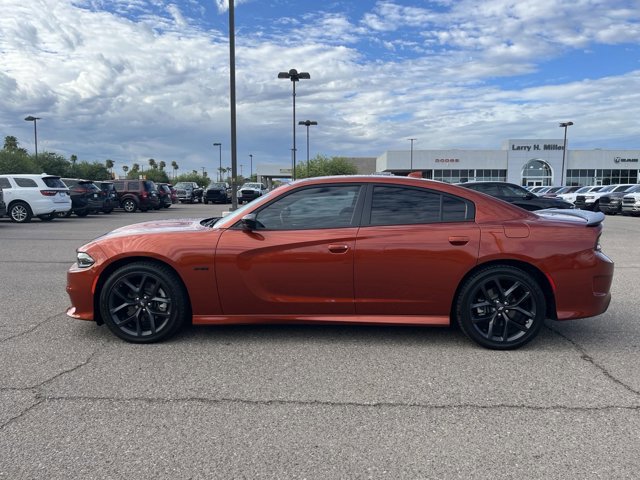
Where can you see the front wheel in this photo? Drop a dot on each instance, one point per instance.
(501, 307)
(143, 302)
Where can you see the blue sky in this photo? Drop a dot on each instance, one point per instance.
(138, 79)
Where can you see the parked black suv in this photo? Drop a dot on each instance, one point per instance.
(136, 194)
(217, 192)
(86, 197)
(164, 195)
(520, 196)
(110, 194)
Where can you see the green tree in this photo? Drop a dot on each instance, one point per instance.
(53, 164)
(193, 177)
(11, 162)
(321, 166)
(162, 164)
(92, 171)
(109, 164)
(11, 145)
(153, 163)
(156, 175)
(174, 166)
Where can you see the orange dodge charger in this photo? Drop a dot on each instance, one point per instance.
(360, 249)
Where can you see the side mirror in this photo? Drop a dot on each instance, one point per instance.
(249, 222)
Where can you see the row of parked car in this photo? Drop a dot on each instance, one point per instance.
(621, 198)
(24, 196)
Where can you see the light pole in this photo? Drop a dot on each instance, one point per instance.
(294, 76)
(250, 165)
(308, 123)
(33, 119)
(411, 164)
(219, 145)
(241, 165)
(564, 125)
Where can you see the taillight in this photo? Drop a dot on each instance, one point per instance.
(598, 247)
(144, 194)
(49, 193)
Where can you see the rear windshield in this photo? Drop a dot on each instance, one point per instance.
(53, 182)
(149, 186)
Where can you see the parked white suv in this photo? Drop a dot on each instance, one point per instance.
(26, 196)
(591, 200)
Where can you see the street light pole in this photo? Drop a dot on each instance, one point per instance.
(294, 76)
(250, 165)
(411, 164)
(564, 149)
(308, 123)
(33, 119)
(219, 145)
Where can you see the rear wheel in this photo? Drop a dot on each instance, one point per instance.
(143, 302)
(129, 205)
(501, 307)
(20, 212)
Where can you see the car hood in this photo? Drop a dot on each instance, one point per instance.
(159, 226)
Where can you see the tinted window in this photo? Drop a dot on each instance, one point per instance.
(53, 182)
(316, 207)
(25, 182)
(489, 188)
(4, 183)
(149, 186)
(513, 191)
(407, 206)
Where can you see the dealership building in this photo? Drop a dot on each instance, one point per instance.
(525, 162)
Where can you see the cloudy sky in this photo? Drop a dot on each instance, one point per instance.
(131, 80)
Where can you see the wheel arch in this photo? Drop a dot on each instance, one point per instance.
(536, 273)
(112, 267)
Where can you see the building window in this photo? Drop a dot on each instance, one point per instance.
(536, 173)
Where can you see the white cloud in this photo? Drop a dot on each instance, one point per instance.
(155, 82)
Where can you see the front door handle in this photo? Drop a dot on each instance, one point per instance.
(458, 240)
(338, 248)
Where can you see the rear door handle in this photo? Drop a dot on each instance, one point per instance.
(338, 248)
(458, 240)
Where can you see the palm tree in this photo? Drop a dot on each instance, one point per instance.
(135, 167)
(152, 163)
(174, 165)
(162, 164)
(109, 164)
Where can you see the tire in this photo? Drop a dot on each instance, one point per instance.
(596, 206)
(48, 217)
(206, 202)
(107, 210)
(501, 307)
(82, 213)
(20, 212)
(129, 205)
(143, 302)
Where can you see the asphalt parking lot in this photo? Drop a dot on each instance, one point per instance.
(305, 401)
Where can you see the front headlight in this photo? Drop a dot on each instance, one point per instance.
(84, 260)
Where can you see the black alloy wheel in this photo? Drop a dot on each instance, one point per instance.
(501, 307)
(20, 212)
(143, 302)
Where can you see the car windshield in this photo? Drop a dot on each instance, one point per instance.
(217, 185)
(253, 185)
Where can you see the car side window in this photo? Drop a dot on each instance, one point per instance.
(391, 205)
(25, 182)
(5, 183)
(312, 208)
(509, 191)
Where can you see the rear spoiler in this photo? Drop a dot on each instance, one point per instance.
(591, 219)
